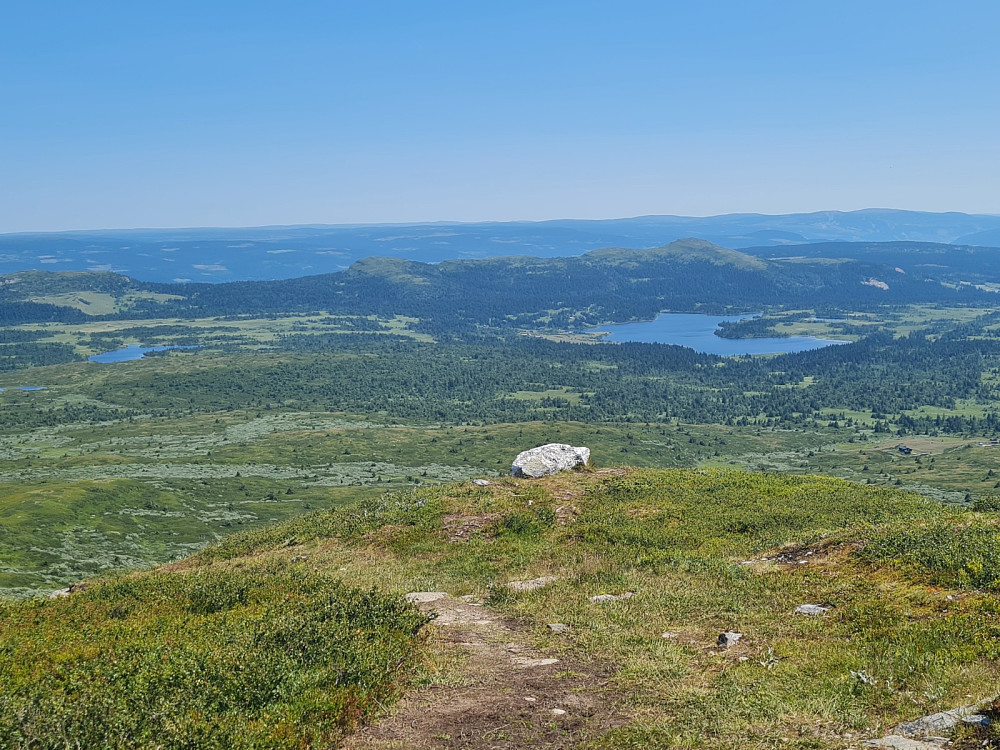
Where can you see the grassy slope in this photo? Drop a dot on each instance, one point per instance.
(912, 586)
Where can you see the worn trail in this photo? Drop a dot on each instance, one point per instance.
(509, 695)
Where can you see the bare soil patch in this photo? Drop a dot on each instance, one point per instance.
(510, 696)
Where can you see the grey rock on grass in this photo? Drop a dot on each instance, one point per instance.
(602, 598)
(729, 639)
(813, 610)
(534, 583)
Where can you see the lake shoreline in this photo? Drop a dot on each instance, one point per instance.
(698, 331)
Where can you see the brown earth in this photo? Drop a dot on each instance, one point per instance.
(506, 695)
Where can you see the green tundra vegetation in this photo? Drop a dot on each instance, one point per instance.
(274, 637)
(129, 464)
(266, 657)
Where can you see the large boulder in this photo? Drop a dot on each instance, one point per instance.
(549, 459)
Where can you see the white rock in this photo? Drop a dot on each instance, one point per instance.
(811, 609)
(558, 627)
(602, 598)
(534, 583)
(549, 459)
(895, 742)
(729, 639)
(558, 712)
(480, 482)
(423, 597)
(527, 662)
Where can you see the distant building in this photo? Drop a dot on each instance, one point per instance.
(904, 449)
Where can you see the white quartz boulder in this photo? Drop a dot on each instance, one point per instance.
(549, 459)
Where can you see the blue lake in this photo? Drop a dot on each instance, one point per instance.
(26, 388)
(130, 352)
(698, 333)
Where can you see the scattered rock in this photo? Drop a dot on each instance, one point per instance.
(812, 610)
(895, 742)
(936, 723)
(558, 712)
(977, 720)
(602, 598)
(423, 597)
(559, 627)
(59, 593)
(534, 583)
(481, 483)
(300, 558)
(546, 460)
(669, 636)
(530, 699)
(729, 639)
(527, 662)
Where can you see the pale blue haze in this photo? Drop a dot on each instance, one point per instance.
(181, 113)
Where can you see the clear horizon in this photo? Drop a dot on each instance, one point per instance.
(240, 114)
(476, 221)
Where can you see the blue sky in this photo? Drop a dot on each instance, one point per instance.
(154, 113)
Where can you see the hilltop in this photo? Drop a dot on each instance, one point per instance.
(289, 636)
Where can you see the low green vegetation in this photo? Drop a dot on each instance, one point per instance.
(908, 630)
(266, 657)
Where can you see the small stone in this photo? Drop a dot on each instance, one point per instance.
(530, 699)
(299, 558)
(526, 662)
(558, 712)
(729, 639)
(425, 597)
(481, 482)
(534, 583)
(59, 593)
(558, 627)
(896, 742)
(669, 636)
(812, 610)
(602, 598)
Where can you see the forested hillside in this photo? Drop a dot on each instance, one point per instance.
(601, 286)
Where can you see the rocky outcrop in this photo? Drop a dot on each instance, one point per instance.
(549, 459)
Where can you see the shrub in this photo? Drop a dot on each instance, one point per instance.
(252, 658)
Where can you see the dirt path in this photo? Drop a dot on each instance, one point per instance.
(511, 696)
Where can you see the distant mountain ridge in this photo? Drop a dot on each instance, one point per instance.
(265, 253)
(516, 291)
